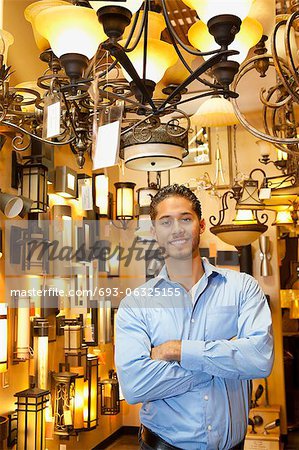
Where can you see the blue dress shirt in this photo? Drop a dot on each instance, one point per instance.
(201, 403)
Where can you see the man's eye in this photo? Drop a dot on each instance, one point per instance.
(165, 222)
(186, 219)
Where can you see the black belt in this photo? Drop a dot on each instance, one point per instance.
(157, 443)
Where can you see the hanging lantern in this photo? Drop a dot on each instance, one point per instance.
(41, 333)
(3, 337)
(110, 404)
(124, 200)
(75, 353)
(91, 393)
(64, 392)
(34, 185)
(31, 405)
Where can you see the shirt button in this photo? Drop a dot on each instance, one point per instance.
(192, 320)
(209, 427)
(206, 397)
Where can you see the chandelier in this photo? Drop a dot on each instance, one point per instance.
(101, 52)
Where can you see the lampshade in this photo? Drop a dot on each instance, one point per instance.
(161, 152)
(70, 29)
(280, 41)
(264, 147)
(244, 216)
(280, 202)
(91, 393)
(283, 218)
(286, 297)
(239, 235)
(261, 11)
(250, 196)
(31, 13)
(28, 103)
(10, 205)
(156, 24)
(124, 200)
(215, 112)
(3, 337)
(294, 309)
(102, 193)
(249, 35)
(6, 40)
(131, 5)
(206, 9)
(160, 56)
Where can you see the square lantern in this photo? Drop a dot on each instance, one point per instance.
(34, 185)
(64, 393)
(40, 345)
(74, 351)
(110, 404)
(66, 182)
(31, 405)
(91, 393)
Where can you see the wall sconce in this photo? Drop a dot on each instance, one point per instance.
(40, 346)
(265, 150)
(34, 185)
(75, 353)
(103, 198)
(65, 182)
(124, 202)
(64, 392)
(79, 398)
(31, 405)
(110, 404)
(21, 329)
(10, 205)
(3, 337)
(91, 393)
(63, 212)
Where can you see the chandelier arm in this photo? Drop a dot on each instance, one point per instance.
(174, 35)
(115, 96)
(213, 219)
(140, 31)
(266, 127)
(287, 42)
(278, 63)
(269, 104)
(205, 94)
(38, 138)
(118, 52)
(201, 69)
(69, 114)
(136, 124)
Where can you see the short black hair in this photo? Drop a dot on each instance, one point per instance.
(174, 190)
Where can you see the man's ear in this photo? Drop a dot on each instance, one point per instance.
(202, 226)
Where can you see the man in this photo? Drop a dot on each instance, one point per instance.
(190, 340)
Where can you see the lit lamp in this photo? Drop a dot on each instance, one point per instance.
(79, 398)
(115, 16)
(74, 35)
(91, 393)
(265, 150)
(75, 353)
(7, 40)
(124, 200)
(283, 218)
(215, 112)
(34, 185)
(64, 393)
(31, 13)
(65, 182)
(23, 329)
(294, 309)
(3, 337)
(40, 346)
(1, 244)
(110, 404)
(31, 405)
(101, 183)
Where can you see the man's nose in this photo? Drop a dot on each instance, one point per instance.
(177, 226)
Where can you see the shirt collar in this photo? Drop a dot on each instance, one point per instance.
(209, 270)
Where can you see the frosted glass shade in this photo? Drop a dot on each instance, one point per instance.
(3, 337)
(244, 216)
(280, 41)
(124, 200)
(160, 56)
(283, 218)
(249, 35)
(31, 13)
(71, 29)
(156, 24)
(6, 41)
(264, 147)
(215, 112)
(131, 5)
(206, 9)
(177, 73)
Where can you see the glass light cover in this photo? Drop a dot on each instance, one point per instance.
(3, 337)
(283, 218)
(34, 186)
(71, 29)
(206, 9)
(160, 56)
(177, 73)
(31, 13)
(264, 147)
(244, 216)
(91, 393)
(124, 200)
(6, 40)
(65, 182)
(215, 112)
(131, 5)
(102, 193)
(249, 35)
(281, 155)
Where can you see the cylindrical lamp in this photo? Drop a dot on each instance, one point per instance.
(23, 327)
(110, 404)
(40, 345)
(102, 194)
(3, 337)
(124, 200)
(31, 405)
(10, 205)
(79, 398)
(75, 354)
(91, 393)
(64, 402)
(34, 185)
(74, 35)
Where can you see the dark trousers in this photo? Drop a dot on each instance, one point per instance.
(144, 446)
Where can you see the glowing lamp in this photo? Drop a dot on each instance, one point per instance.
(207, 9)
(124, 200)
(3, 337)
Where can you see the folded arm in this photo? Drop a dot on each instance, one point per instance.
(141, 378)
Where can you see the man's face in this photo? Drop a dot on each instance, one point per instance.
(178, 228)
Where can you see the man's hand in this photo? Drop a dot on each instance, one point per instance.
(169, 351)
